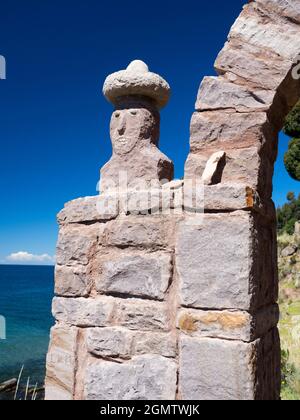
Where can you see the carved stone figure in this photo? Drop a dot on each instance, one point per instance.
(137, 95)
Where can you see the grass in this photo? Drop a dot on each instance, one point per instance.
(289, 326)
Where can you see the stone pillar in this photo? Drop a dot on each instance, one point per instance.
(233, 254)
(159, 293)
(115, 334)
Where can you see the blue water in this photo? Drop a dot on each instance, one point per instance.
(25, 302)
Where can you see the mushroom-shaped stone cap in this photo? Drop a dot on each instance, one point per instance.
(137, 80)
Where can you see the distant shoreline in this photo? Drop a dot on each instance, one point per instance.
(27, 265)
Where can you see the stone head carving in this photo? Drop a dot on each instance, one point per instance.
(134, 126)
(137, 95)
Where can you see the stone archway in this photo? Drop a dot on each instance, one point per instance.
(243, 109)
(240, 112)
(207, 327)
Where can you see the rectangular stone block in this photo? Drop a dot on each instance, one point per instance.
(216, 265)
(281, 37)
(149, 377)
(73, 281)
(244, 166)
(140, 231)
(247, 64)
(118, 342)
(230, 325)
(286, 8)
(212, 131)
(61, 364)
(77, 244)
(144, 275)
(216, 93)
(229, 370)
(140, 202)
(226, 196)
(90, 209)
(106, 311)
(83, 312)
(137, 314)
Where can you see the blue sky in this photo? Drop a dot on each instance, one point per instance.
(54, 120)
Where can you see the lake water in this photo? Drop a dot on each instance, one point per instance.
(25, 303)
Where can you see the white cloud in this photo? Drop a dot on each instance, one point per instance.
(27, 258)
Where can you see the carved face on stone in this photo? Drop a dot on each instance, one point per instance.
(133, 127)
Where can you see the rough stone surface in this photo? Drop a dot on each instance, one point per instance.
(137, 80)
(245, 64)
(143, 378)
(118, 342)
(217, 93)
(141, 202)
(229, 196)
(61, 364)
(212, 173)
(214, 377)
(206, 330)
(215, 130)
(89, 209)
(144, 275)
(135, 314)
(223, 196)
(72, 281)
(216, 265)
(289, 251)
(242, 166)
(230, 325)
(268, 31)
(284, 8)
(83, 312)
(134, 130)
(236, 375)
(77, 244)
(142, 231)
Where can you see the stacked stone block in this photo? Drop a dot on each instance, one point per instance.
(163, 302)
(156, 306)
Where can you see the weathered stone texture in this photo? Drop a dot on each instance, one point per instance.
(72, 281)
(181, 304)
(216, 93)
(245, 166)
(267, 31)
(137, 95)
(135, 314)
(142, 275)
(215, 130)
(229, 370)
(77, 244)
(230, 325)
(136, 80)
(286, 8)
(118, 342)
(83, 312)
(216, 265)
(142, 378)
(141, 231)
(229, 196)
(90, 209)
(61, 363)
(248, 65)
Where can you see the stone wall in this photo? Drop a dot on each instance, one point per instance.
(157, 301)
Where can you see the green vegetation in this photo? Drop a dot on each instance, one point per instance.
(292, 156)
(288, 215)
(292, 159)
(289, 300)
(292, 123)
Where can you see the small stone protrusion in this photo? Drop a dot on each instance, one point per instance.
(214, 167)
